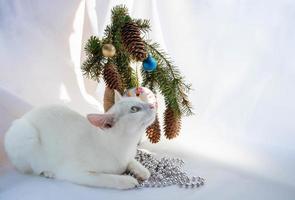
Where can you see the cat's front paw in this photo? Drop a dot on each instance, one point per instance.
(143, 174)
(127, 182)
(138, 170)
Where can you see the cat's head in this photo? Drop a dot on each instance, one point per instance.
(128, 113)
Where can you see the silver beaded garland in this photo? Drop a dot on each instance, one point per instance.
(166, 172)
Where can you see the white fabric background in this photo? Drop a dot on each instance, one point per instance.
(237, 54)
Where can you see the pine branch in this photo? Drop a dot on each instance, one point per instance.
(127, 72)
(149, 80)
(143, 25)
(92, 67)
(93, 46)
(119, 17)
(118, 12)
(170, 82)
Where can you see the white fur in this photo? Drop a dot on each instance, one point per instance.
(55, 141)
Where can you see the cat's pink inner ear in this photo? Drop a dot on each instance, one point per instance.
(101, 120)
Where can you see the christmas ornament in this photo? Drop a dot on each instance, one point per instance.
(149, 64)
(145, 94)
(112, 77)
(153, 132)
(133, 42)
(108, 50)
(165, 172)
(172, 123)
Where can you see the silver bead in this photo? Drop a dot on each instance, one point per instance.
(165, 171)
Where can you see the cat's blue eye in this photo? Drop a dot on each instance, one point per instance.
(135, 109)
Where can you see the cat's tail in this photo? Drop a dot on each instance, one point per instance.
(21, 142)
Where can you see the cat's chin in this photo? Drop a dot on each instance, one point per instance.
(149, 121)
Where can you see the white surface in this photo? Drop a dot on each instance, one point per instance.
(223, 182)
(237, 54)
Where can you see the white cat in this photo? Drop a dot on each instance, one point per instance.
(57, 142)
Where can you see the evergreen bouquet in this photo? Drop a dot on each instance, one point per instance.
(111, 57)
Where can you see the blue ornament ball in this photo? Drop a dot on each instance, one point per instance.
(149, 64)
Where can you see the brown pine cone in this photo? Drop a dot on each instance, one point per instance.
(112, 77)
(153, 132)
(172, 123)
(133, 42)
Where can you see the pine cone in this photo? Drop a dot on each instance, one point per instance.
(112, 77)
(133, 42)
(153, 132)
(172, 123)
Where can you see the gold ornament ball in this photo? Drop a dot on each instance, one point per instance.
(108, 50)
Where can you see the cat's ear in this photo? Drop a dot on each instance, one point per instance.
(101, 120)
(118, 96)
